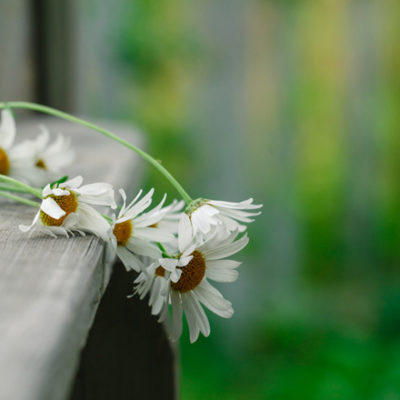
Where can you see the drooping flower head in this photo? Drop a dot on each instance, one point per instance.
(67, 207)
(205, 215)
(35, 162)
(183, 281)
(46, 159)
(136, 232)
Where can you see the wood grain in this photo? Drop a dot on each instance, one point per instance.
(50, 288)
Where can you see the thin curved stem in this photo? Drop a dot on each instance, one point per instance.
(10, 188)
(20, 199)
(68, 117)
(107, 218)
(37, 193)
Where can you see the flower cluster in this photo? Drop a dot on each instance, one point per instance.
(175, 250)
(209, 232)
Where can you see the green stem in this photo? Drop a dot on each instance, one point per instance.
(68, 117)
(163, 251)
(37, 193)
(107, 218)
(20, 199)
(9, 188)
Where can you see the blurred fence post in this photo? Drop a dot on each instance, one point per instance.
(39, 63)
(55, 40)
(17, 63)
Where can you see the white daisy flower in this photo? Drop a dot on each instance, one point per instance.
(207, 214)
(135, 232)
(47, 159)
(67, 208)
(194, 266)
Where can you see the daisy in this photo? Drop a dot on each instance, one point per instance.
(67, 207)
(47, 159)
(134, 232)
(183, 281)
(207, 214)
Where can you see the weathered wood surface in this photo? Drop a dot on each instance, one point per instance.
(50, 288)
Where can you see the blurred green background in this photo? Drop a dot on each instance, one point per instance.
(294, 103)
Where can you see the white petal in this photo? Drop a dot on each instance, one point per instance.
(71, 221)
(60, 192)
(211, 211)
(195, 316)
(129, 260)
(185, 232)
(92, 221)
(136, 197)
(168, 263)
(100, 193)
(143, 247)
(231, 225)
(222, 275)
(176, 328)
(73, 183)
(42, 139)
(224, 264)
(57, 155)
(198, 223)
(153, 216)
(26, 228)
(51, 208)
(53, 231)
(240, 215)
(183, 261)
(227, 250)
(23, 151)
(153, 234)
(190, 314)
(134, 209)
(47, 190)
(176, 275)
(156, 300)
(7, 129)
(245, 205)
(188, 252)
(213, 300)
(123, 195)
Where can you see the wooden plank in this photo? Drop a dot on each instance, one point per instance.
(50, 288)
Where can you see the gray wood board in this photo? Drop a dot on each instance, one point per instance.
(50, 288)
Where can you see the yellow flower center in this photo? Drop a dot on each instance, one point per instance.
(122, 232)
(41, 164)
(192, 274)
(4, 162)
(160, 271)
(67, 203)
